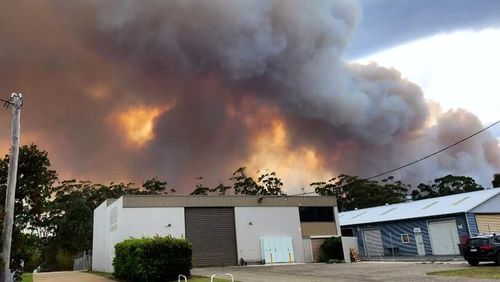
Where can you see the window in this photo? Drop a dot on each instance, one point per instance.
(478, 242)
(315, 214)
(497, 239)
(348, 232)
(405, 238)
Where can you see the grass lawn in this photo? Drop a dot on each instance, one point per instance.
(27, 277)
(191, 279)
(485, 272)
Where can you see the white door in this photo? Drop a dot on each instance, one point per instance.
(373, 243)
(419, 240)
(277, 249)
(287, 245)
(444, 237)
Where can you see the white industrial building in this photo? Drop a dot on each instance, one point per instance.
(224, 230)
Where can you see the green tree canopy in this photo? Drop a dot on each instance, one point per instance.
(200, 189)
(156, 187)
(496, 180)
(447, 185)
(74, 230)
(353, 192)
(33, 187)
(242, 184)
(32, 203)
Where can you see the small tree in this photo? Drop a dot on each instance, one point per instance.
(152, 259)
(155, 187)
(496, 181)
(332, 249)
(200, 189)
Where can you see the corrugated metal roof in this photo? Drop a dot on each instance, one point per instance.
(423, 208)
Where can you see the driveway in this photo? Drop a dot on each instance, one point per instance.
(68, 276)
(365, 271)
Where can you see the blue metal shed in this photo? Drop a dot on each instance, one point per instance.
(429, 227)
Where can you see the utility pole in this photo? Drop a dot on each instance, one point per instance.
(16, 101)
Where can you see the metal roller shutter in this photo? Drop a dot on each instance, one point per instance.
(444, 237)
(212, 233)
(373, 241)
(488, 223)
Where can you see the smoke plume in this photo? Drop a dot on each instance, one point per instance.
(129, 90)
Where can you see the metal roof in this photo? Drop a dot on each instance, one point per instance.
(457, 203)
(149, 201)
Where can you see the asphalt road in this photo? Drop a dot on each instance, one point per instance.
(318, 272)
(365, 271)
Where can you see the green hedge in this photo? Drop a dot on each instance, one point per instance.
(152, 259)
(332, 249)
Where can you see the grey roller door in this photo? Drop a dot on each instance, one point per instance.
(444, 237)
(212, 233)
(373, 241)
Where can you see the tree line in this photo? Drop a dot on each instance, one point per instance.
(54, 218)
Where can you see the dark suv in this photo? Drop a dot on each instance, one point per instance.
(482, 248)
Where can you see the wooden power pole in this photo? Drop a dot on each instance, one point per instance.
(16, 101)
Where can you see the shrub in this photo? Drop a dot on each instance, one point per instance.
(152, 259)
(332, 249)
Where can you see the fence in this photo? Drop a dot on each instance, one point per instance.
(84, 262)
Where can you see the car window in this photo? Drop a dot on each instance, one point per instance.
(478, 241)
(497, 239)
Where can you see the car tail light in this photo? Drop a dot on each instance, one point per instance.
(487, 248)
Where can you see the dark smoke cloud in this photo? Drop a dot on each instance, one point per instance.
(232, 70)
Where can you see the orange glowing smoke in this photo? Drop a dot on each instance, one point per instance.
(296, 166)
(99, 91)
(137, 123)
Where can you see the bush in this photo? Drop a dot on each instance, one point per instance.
(152, 259)
(332, 249)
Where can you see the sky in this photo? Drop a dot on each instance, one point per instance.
(449, 48)
(181, 89)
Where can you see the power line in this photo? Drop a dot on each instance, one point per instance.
(435, 153)
(423, 158)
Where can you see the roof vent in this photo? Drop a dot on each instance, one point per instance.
(358, 215)
(388, 211)
(459, 201)
(429, 205)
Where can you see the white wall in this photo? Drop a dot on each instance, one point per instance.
(139, 222)
(308, 254)
(99, 237)
(490, 206)
(347, 244)
(266, 221)
(114, 224)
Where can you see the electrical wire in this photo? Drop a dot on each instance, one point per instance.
(6, 103)
(423, 158)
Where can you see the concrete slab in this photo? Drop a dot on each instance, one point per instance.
(68, 276)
